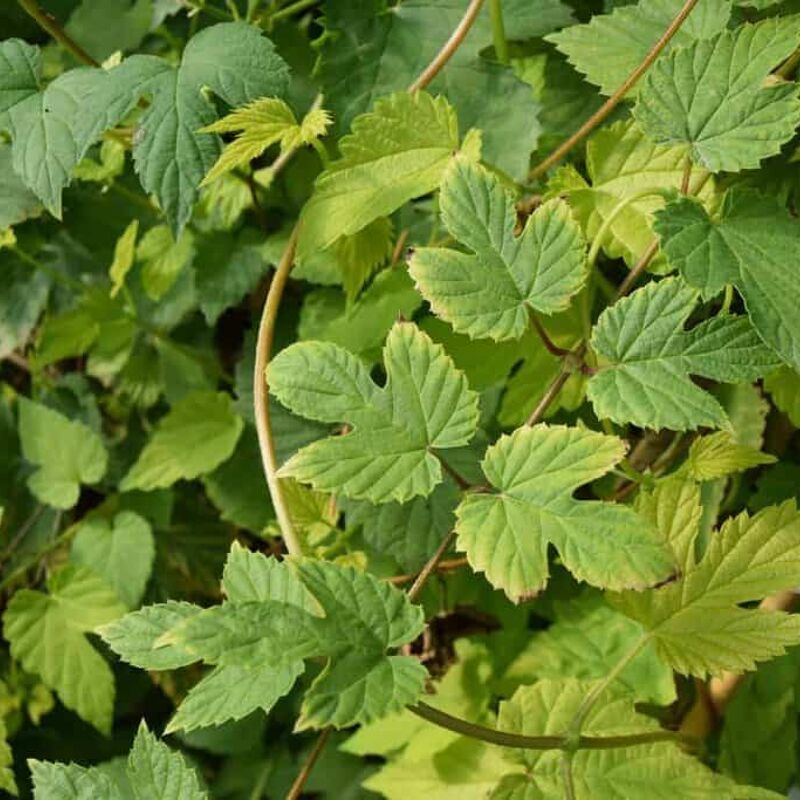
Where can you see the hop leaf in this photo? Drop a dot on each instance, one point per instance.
(697, 623)
(396, 152)
(711, 96)
(66, 452)
(536, 470)
(258, 639)
(152, 770)
(610, 46)
(661, 769)
(46, 633)
(260, 124)
(651, 357)
(425, 406)
(718, 455)
(198, 434)
(491, 292)
(752, 245)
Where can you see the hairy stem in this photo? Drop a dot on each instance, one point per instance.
(498, 31)
(617, 97)
(305, 772)
(266, 333)
(430, 566)
(448, 48)
(51, 25)
(516, 740)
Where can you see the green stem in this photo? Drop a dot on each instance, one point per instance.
(519, 741)
(605, 227)
(727, 300)
(498, 31)
(50, 25)
(292, 8)
(594, 695)
(566, 775)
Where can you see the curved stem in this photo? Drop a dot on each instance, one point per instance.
(516, 740)
(50, 25)
(303, 775)
(549, 344)
(266, 334)
(448, 48)
(617, 97)
(448, 565)
(605, 227)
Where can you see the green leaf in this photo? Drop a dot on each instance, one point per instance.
(227, 268)
(260, 124)
(7, 780)
(717, 455)
(68, 782)
(231, 487)
(410, 532)
(194, 438)
(536, 470)
(119, 551)
(758, 744)
(491, 292)
(628, 175)
(660, 770)
(362, 325)
(152, 771)
(67, 454)
(156, 771)
(395, 152)
(610, 46)
(163, 259)
(751, 245)
(372, 49)
(425, 406)
(134, 636)
(105, 26)
(650, 357)
(712, 98)
(17, 202)
(23, 298)
(698, 624)
(46, 633)
(124, 251)
(586, 641)
(783, 386)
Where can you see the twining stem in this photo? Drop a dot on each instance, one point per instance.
(640, 266)
(448, 565)
(51, 25)
(302, 776)
(548, 397)
(615, 98)
(519, 741)
(498, 31)
(449, 48)
(266, 334)
(292, 8)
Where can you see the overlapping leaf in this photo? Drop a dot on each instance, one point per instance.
(492, 291)
(195, 437)
(46, 633)
(711, 96)
(395, 152)
(536, 470)
(152, 770)
(698, 624)
(272, 621)
(610, 46)
(753, 245)
(659, 770)
(52, 128)
(424, 407)
(651, 356)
